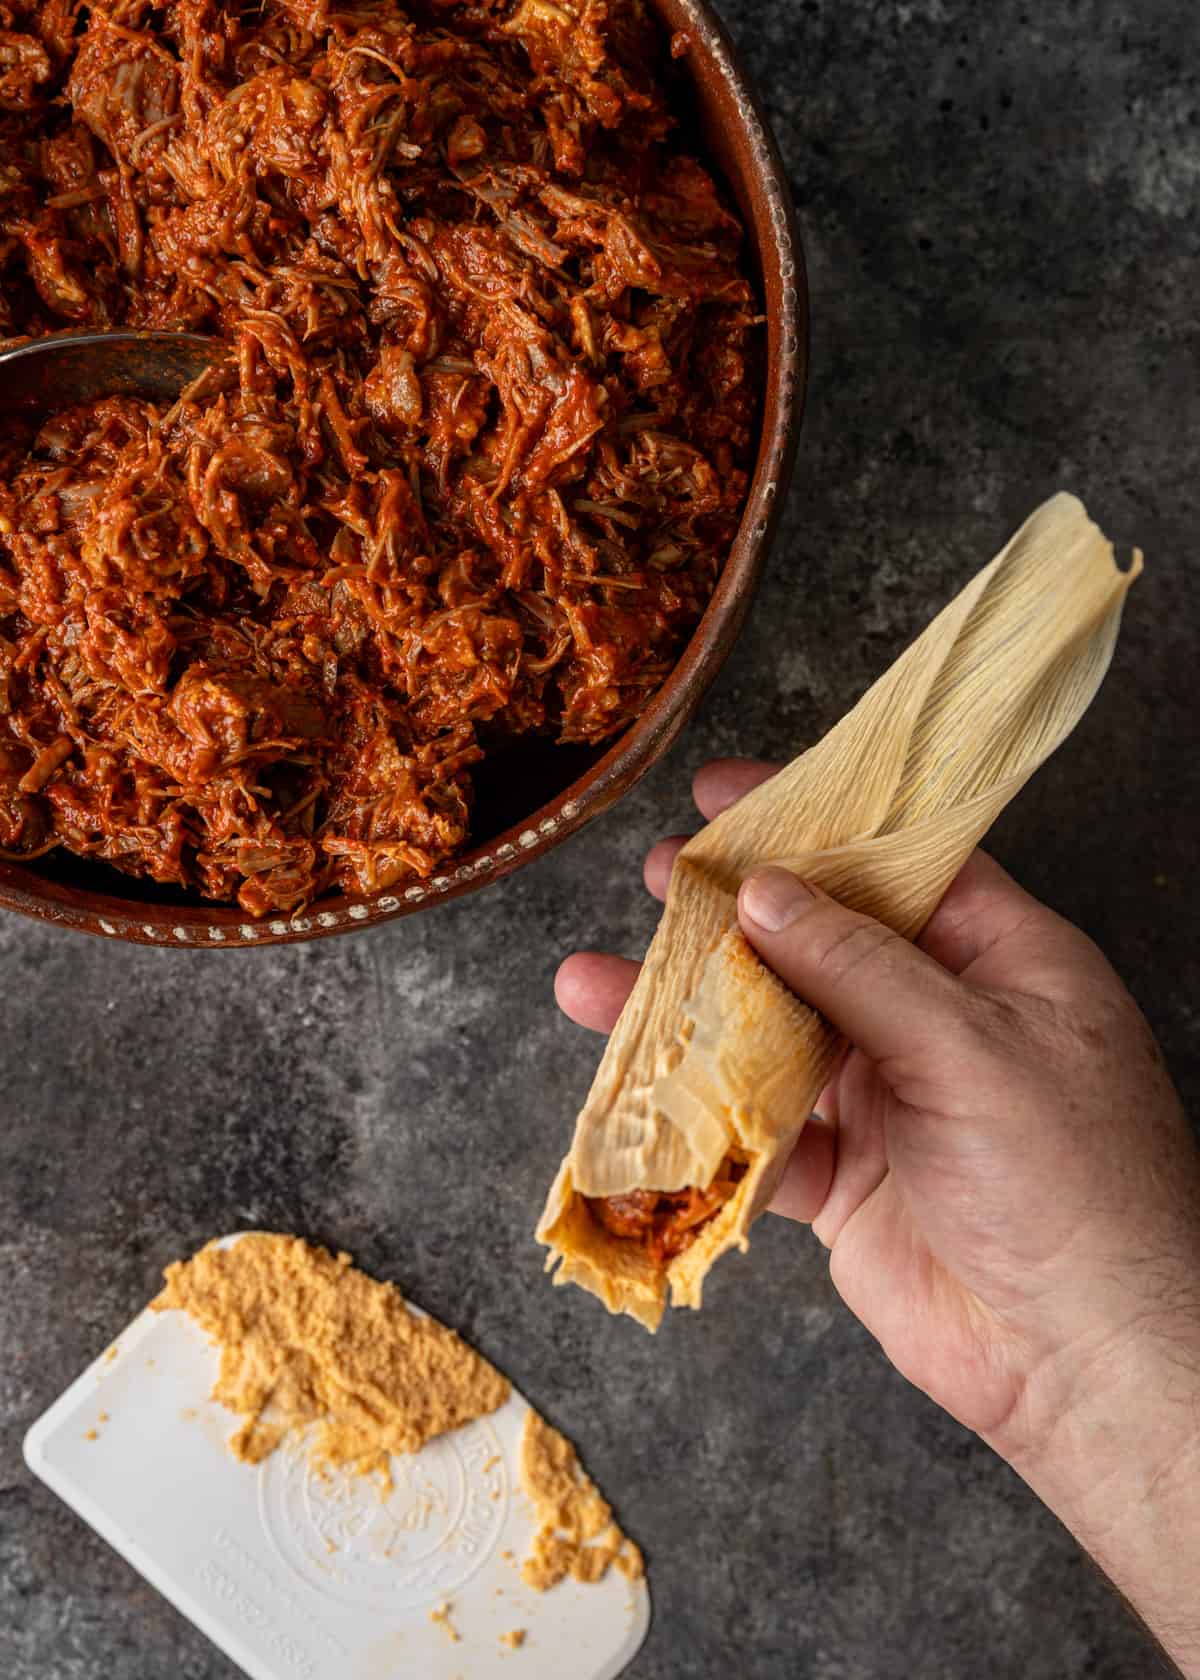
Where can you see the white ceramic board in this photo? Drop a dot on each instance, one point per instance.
(301, 1575)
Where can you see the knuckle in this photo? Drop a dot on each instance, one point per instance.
(847, 945)
(984, 1027)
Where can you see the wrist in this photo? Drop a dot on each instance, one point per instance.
(1107, 1414)
(1107, 1434)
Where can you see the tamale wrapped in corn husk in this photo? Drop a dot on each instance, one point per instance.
(712, 1057)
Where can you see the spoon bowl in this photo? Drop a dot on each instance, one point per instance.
(42, 374)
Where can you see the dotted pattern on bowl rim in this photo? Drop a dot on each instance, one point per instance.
(248, 933)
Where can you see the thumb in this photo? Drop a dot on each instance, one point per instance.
(872, 985)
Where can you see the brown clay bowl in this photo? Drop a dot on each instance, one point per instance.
(541, 794)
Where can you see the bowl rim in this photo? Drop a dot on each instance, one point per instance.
(772, 224)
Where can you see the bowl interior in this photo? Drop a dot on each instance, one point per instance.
(510, 786)
(532, 794)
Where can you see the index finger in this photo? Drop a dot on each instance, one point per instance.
(715, 787)
(591, 987)
(722, 782)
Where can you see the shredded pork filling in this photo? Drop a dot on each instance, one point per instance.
(467, 475)
(666, 1222)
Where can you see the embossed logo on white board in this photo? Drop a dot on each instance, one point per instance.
(437, 1526)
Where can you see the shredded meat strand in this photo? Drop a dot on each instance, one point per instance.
(468, 474)
(666, 1222)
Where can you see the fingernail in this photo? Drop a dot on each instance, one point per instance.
(773, 899)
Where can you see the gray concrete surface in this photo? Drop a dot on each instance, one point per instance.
(999, 209)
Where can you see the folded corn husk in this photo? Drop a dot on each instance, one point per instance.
(711, 1052)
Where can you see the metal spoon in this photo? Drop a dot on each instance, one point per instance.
(70, 367)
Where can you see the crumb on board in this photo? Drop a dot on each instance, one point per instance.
(91, 1435)
(441, 1615)
(103, 1417)
(112, 1353)
(514, 1638)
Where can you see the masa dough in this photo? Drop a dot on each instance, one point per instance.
(308, 1342)
(576, 1532)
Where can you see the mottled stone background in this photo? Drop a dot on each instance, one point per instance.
(998, 205)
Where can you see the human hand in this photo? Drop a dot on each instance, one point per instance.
(1001, 1169)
